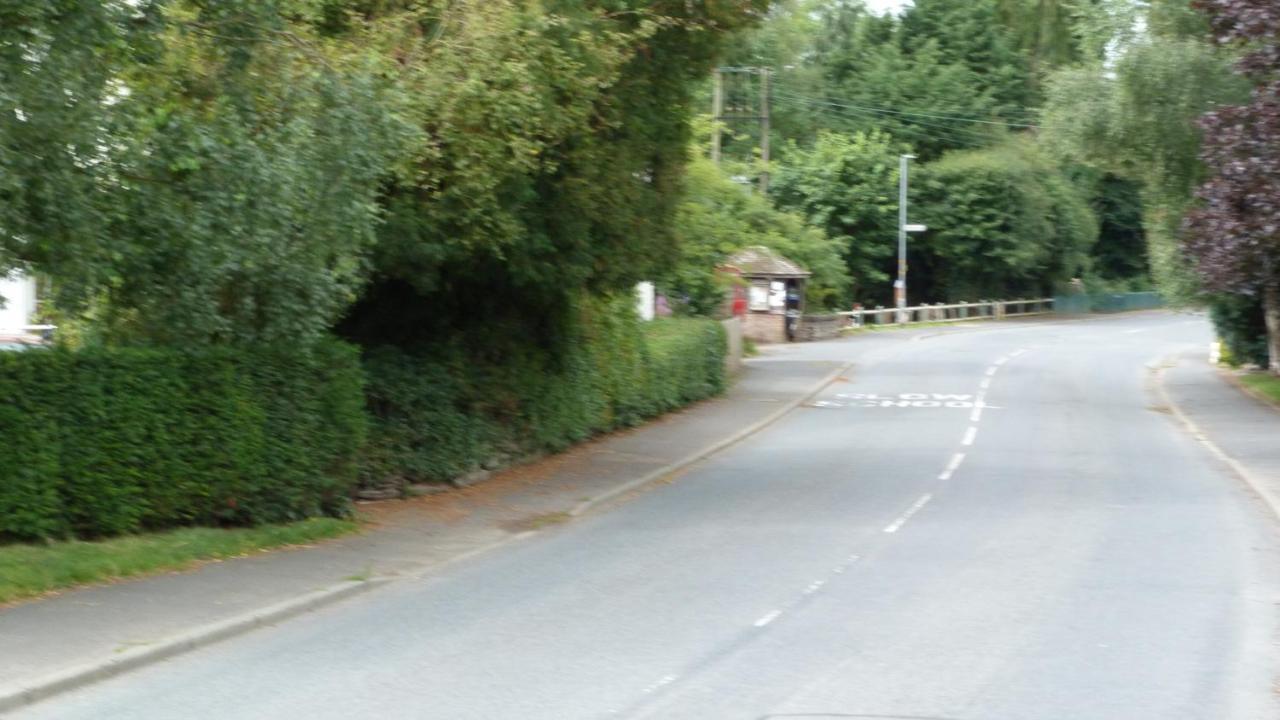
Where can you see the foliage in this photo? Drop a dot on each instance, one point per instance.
(30, 570)
(223, 179)
(937, 78)
(1234, 231)
(102, 442)
(1004, 221)
(444, 412)
(1241, 327)
(1120, 253)
(847, 186)
(1131, 113)
(718, 216)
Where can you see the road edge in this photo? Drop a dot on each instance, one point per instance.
(136, 658)
(1259, 487)
(662, 472)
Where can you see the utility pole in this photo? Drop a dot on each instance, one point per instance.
(741, 85)
(717, 111)
(764, 130)
(900, 285)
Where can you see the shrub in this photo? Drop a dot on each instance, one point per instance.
(108, 441)
(1242, 327)
(437, 415)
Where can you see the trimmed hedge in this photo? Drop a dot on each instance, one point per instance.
(102, 442)
(438, 416)
(1242, 326)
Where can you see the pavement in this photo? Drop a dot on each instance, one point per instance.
(998, 521)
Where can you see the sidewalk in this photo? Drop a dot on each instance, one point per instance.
(1244, 429)
(80, 636)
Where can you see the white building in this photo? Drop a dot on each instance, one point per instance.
(19, 303)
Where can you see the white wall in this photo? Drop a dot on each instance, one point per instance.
(19, 293)
(645, 300)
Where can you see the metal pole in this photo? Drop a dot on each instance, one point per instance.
(764, 130)
(900, 286)
(717, 111)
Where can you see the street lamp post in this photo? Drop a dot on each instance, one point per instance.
(900, 285)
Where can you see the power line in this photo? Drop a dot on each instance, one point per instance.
(906, 113)
(941, 132)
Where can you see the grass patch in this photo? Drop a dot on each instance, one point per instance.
(1264, 384)
(28, 570)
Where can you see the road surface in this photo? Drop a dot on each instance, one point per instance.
(992, 523)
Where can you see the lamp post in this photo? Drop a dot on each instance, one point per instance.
(900, 285)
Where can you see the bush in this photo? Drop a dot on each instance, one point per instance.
(442, 414)
(103, 442)
(1242, 327)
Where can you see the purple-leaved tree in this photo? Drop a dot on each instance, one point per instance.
(1234, 232)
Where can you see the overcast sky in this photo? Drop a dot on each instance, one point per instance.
(880, 5)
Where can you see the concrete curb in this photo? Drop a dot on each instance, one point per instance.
(89, 673)
(712, 449)
(1256, 484)
(133, 659)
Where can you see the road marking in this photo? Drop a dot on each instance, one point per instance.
(969, 435)
(978, 404)
(1001, 361)
(1017, 352)
(768, 618)
(814, 587)
(662, 682)
(992, 370)
(985, 384)
(952, 466)
(896, 525)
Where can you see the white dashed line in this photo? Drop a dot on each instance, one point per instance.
(896, 525)
(1017, 352)
(985, 384)
(768, 618)
(952, 466)
(1001, 361)
(664, 681)
(969, 435)
(992, 370)
(814, 587)
(978, 403)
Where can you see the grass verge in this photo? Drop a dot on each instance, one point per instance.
(29, 570)
(1264, 384)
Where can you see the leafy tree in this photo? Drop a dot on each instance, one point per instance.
(1133, 116)
(555, 139)
(1004, 222)
(847, 186)
(718, 216)
(1234, 232)
(215, 177)
(59, 64)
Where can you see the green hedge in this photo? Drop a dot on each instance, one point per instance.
(441, 414)
(103, 442)
(1242, 326)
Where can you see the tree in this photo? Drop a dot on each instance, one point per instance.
(1004, 222)
(847, 186)
(192, 172)
(1131, 113)
(1234, 232)
(717, 216)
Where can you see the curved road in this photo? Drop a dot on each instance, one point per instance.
(989, 523)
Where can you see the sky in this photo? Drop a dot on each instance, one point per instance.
(881, 5)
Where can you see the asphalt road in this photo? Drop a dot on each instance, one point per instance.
(992, 523)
